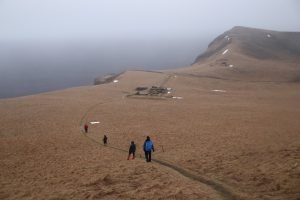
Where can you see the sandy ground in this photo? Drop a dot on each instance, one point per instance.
(246, 138)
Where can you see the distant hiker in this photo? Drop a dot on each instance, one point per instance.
(86, 127)
(148, 148)
(105, 140)
(132, 150)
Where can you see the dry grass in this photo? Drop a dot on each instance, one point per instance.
(246, 138)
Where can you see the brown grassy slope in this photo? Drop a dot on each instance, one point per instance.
(247, 138)
(45, 156)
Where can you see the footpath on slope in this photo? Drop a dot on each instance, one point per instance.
(223, 191)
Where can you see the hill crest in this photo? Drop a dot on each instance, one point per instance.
(257, 43)
(252, 54)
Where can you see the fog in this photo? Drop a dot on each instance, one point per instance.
(54, 44)
(31, 67)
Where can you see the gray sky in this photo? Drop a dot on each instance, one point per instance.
(141, 19)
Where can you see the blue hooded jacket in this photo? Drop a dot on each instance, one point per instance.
(148, 145)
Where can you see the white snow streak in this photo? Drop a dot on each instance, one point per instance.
(219, 90)
(94, 122)
(225, 51)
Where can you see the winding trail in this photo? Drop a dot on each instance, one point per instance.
(224, 192)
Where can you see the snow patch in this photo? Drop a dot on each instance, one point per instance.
(177, 97)
(230, 66)
(116, 81)
(225, 51)
(227, 37)
(94, 122)
(269, 36)
(219, 90)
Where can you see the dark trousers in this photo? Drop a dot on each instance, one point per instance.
(148, 156)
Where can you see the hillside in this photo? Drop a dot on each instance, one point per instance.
(252, 54)
(218, 134)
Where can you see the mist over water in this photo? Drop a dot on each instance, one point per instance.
(54, 44)
(33, 67)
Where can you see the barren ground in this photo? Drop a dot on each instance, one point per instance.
(246, 139)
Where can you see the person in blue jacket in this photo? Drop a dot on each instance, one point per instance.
(148, 148)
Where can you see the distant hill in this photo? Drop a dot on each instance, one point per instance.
(252, 54)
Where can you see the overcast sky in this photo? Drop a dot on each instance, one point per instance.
(146, 19)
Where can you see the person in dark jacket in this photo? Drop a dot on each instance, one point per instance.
(132, 150)
(86, 127)
(105, 140)
(148, 148)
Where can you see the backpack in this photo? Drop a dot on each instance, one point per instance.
(148, 146)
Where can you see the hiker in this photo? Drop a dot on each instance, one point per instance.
(105, 140)
(86, 127)
(148, 147)
(132, 150)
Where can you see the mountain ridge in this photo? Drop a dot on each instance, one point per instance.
(257, 43)
(252, 55)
